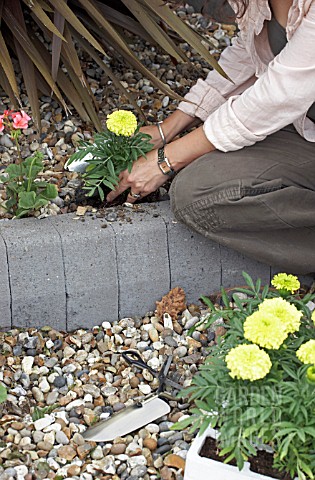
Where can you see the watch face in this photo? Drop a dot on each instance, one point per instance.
(164, 167)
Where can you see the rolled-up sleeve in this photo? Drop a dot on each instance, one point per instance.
(207, 95)
(279, 97)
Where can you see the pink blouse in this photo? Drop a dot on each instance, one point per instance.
(268, 92)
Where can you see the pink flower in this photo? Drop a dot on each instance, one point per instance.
(7, 113)
(1, 123)
(20, 120)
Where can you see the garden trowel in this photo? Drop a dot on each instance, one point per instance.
(142, 412)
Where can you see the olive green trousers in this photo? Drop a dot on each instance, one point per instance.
(259, 200)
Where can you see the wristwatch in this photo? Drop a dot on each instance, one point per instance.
(164, 164)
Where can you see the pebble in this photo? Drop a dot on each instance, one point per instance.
(118, 449)
(27, 364)
(6, 141)
(60, 381)
(41, 423)
(62, 438)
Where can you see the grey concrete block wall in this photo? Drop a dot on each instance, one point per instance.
(195, 262)
(5, 294)
(142, 262)
(69, 273)
(36, 273)
(234, 263)
(90, 271)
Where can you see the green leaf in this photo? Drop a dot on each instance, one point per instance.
(225, 298)
(208, 302)
(50, 192)
(37, 414)
(182, 424)
(248, 280)
(111, 168)
(3, 393)
(13, 170)
(27, 200)
(101, 193)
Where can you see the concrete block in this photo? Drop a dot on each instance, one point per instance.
(143, 264)
(5, 297)
(91, 282)
(234, 263)
(195, 263)
(36, 273)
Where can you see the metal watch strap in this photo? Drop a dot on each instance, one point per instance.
(161, 132)
(164, 164)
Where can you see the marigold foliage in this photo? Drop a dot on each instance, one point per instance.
(248, 362)
(283, 281)
(306, 352)
(122, 122)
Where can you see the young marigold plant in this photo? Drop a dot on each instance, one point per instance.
(258, 383)
(112, 152)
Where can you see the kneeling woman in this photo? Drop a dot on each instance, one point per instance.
(247, 174)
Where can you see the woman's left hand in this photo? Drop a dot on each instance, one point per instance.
(144, 178)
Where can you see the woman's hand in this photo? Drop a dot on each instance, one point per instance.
(153, 131)
(144, 178)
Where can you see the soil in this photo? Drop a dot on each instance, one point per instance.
(261, 464)
(96, 202)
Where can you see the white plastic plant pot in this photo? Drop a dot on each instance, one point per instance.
(79, 166)
(202, 468)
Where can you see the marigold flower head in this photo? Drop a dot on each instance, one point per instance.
(313, 316)
(287, 313)
(283, 281)
(122, 122)
(306, 352)
(248, 362)
(265, 329)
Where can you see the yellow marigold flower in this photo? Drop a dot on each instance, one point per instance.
(287, 313)
(265, 329)
(248, 362)
(313, 316)
(283, 281)
(122, 122)
(306, 352)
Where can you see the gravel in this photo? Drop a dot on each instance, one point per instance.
(58, 393)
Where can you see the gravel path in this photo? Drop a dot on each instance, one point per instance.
(74, 379)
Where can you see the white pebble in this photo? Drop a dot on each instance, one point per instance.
(153, 428)
(165, 101)
(137, 460)
(41, 423)
(44, 385)
(27, 364)
(154, 363)
(21, 471)
(106, 325)
(167, 320)
(145, 389)
(75, 403)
